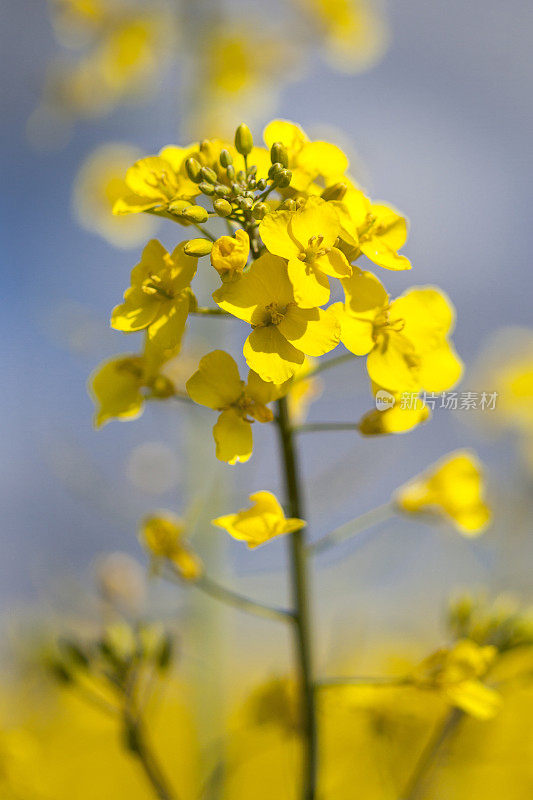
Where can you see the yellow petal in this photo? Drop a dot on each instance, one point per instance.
(275, 232)
(216, 383)
(136, 312)
(266, 282)
(316, 218)
(166, 332)
(357, 333)
(440, 369)
(233, 437)
(475, 699)
(314, 331)
(428, 316)
(116, 389)
(323, 158)
(269, 354)
(289, 134)
(260, 523)
(391, 364)
(382, 255)
(310, 285)
(366, 297)
(147, 175)
(133, 204)
(183, 268)
(261, 391)
(334, 264)
(392, 226)
(229, 254)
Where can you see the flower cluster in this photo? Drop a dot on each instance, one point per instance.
(297, 228)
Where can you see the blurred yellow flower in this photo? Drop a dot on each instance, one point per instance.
(120, 386)
(217, 385)
(98, 185)
(160, 298)
(163, 534)
(457, 672)
(306, 238)
(393, 417)
(155, 182)
(406, 339)
(302, 390)
(453, 488)
(283, 333)
(229, 255)
(260, 523)
(355, 32)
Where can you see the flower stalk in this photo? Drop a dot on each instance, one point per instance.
(299, 577)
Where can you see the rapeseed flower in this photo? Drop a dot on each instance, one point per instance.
(263, 521)
(283, 333)
(306, 238)
(229, 255)
(159, 298)
(163, 535)
(406, 339)
(453, 488)
(217, 385)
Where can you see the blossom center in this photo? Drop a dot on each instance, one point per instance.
(313, 250)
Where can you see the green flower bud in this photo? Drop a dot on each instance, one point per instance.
(260, 211)
(222, 207)
(289, 205)
(278, 154)
(221, 190)
(284, 178)
(275, 170)
(195, 214)
(226, 159)
(179, 206)
(230, 172)
(193, 168)
(244, 140)
(208, 175)
(335, 192)
(198, 247)
(261, 185)
(206, 188)
(247, 203)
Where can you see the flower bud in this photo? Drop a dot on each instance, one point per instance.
(208, 175)
(278, 154)
(230, 172)
(206, 188)
(221, 190)
(288, 205)
(261, 185)
(195, 214)
(246, 203)
(243, 140)
(225, 158)
(222, 207)
(284, 178)
(335, 192)
(198, 247)
(260, 211)
(193, 168)
(275, 170)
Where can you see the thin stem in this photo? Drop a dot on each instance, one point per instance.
(316, 427)
(354, 527)
(302, 627)
(429, 754)
(343, 682)
(139, 746)
(241, 602)
(204, 231)
(212, 312)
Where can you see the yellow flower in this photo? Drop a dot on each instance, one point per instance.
(355, 32)
(160, 298)
(311, 163)
(394, 417)
(155, 182)
(306, 238)
(302, 390)
(405, 340)
(120, 386)
(454, 488)
(456, 672)
(373, 229)
(283, 334)
(217, 385)
(163, 536)
(260, 523)
(99, 183)
(229, 255)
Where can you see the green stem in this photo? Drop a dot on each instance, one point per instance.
(302, 627)
(324, 365)
(354, 527)
(241, 602)
(139, 746)
(204, 231)
(429, 754)
(212, 312)
(318, 427)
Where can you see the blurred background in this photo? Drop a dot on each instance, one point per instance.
(436, 114)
